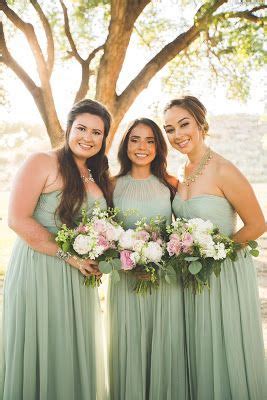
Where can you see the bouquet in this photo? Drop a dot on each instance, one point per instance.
(197, 249)
(95, 238)
(142, 250)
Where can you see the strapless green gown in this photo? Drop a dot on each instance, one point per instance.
(223, 324)
(52, 324)
(146, 332)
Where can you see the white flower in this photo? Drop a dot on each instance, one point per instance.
(199, 225)
(114, 232)
(153, 252)
(127, 239)
(138, 245)
(221, 252)
(83, 244)
(135, 257)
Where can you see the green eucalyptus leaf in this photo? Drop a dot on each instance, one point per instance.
(115, 276)
(105, 267)
(195, 267)
(191, 258)
(254, 252)
(253, 244)
(116, 263)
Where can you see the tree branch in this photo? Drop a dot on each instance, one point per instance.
(69, 35)
(29, 32)
(49, 36)
(124, 13)
(244, 15)
(93, 53)
(10, 62)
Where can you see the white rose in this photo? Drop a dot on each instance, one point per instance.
(153, 252)
(115, 232)
(82, 244)
(127, 239)
(138, 245)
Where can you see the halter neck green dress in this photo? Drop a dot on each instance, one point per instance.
(52, 328)
(223, 324)
(146, 342)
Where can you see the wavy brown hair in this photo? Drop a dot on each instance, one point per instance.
(195, 108)
(74, 193)
(158, 165)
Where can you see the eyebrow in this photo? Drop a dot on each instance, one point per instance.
(138, 137)
(180, 120)
(84, 126)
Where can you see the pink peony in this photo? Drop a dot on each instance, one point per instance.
(126, 260)
(154, 236)
(142, 235)
(102, 241)
(174, 247)
(99, 226)
(81, 229)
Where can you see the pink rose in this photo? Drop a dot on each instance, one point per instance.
(102, 241)
(142, 235)
(175, 236)
(187, 242)
(126, 260)
(174, 247)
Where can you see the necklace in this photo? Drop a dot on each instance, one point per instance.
(202, 163)
(89, 178)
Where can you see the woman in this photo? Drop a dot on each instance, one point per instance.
(223, 324)
(146, 338)
(52, 330)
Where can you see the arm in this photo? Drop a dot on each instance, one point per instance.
(27, 187)
(240, 194)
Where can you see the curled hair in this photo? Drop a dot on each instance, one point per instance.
(74, 193)
(195, 108)
(158, 165)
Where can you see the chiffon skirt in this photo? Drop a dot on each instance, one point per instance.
(224, 336)
(52, 332)
(146, 343)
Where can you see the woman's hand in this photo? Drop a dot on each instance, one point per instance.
(86, 267)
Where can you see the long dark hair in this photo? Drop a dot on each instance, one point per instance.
(73, 193)
(194, 107)
(158, 165)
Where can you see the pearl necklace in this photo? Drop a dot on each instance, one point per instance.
(202, 163)
(89, 178)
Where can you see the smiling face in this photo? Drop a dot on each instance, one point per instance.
(183, 132)
(86, 136)
(141, 145)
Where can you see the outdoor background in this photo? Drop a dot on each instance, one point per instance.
(134, 56)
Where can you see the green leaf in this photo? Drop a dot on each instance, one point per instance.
(253, 244)
(195, 267)
(167, 279)
(191, 258)
(65, 246)
(105, 267)
(116, 263)
(254, 252)
(115, 276)
(217, 269)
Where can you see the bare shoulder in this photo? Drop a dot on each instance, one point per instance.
(172, 181)
(226, 170)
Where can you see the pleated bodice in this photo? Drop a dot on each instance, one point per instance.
(146, 197)
(208, 207)
(47, 204)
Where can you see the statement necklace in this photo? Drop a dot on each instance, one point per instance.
(89, 178)
(202, 163)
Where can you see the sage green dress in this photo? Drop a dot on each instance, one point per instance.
(223, 324)
(52, 324)
(146, 343)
